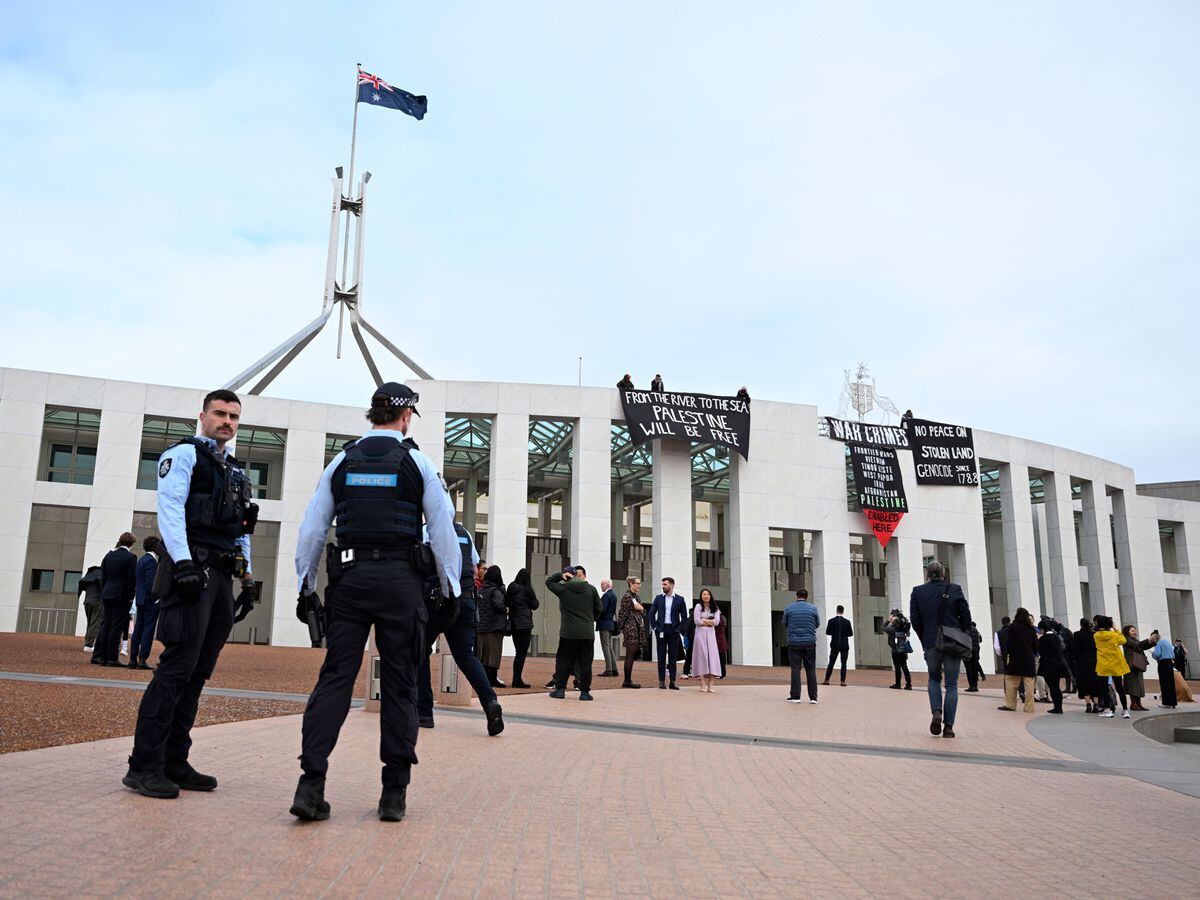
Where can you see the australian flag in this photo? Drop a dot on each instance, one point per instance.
(374, 90)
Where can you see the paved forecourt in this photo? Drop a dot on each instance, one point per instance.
(566, 808)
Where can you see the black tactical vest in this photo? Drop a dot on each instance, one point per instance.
(377, 491)
(217, 500)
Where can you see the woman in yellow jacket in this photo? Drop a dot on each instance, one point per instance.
(1110, 663)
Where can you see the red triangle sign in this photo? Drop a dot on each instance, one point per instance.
(883, 523)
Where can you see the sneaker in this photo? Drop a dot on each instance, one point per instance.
(558, 694)
(935, 725)
(585, 695)
(151, 783)
(89, 649)
(1125, 714)
(392, 804)
(188, 778)
(1089, 708)
(794, 700)
(495, 719)
(309, 802)
(948, 731)
(1107, 714)
(813, 702)
(549, 684)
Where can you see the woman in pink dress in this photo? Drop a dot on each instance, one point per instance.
(706, 659)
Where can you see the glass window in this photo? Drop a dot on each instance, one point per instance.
(71, 582)
(69, 454)
(157, 435)
(259, 473)
(42, 580)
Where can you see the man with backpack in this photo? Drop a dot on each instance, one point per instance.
(941, 619)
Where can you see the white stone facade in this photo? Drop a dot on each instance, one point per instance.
(796, 480)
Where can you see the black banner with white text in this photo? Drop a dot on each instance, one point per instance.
(942, 454)
(703, 418)
(879, 486)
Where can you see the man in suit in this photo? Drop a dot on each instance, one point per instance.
(117, 587)
(839, 631)
(146, 602)
(939, 602)
(606, 626)
(667, 615)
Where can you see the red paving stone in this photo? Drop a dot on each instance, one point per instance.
(547, 811)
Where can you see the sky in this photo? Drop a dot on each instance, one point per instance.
(995, 207)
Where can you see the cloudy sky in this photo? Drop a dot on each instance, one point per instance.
(995, 207)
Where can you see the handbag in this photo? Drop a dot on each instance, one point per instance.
(1138, 663)
(952, 642)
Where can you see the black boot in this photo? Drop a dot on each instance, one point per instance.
(495, 718)
(392, 804)
(188, 778)
(151, 783)
(309, 803)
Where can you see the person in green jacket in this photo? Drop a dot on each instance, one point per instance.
(579, 604)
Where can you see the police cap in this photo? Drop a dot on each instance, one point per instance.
(392, 395)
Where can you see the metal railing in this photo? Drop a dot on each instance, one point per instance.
(46, 620)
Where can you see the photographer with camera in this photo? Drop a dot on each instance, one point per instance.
(898, 630)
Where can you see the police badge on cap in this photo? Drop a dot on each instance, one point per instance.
(393, 395)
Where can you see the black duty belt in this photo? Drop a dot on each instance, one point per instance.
(221, 560)
(358, 554)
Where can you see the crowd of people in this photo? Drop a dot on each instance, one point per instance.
(117, 593)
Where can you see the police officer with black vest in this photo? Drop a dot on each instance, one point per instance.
(379, 488)
(456, 620)
(205, 515)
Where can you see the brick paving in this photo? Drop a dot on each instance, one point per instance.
(564, 812)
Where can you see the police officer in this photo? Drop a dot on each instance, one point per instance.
(205, 515)
(458, 625)
(378, 487)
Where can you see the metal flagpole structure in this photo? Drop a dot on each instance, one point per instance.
(345, 294)
(350, 179)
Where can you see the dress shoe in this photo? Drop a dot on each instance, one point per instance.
(971, 691)
(495, 718)
(894, 687)
(132, 664)
(826, 683)
(96, 662)
(1057, 712)
(522, 685)
(662, 685)
(151, 783)
(558, 694)
(309, 803)
(392, 804)
(908, 687)
(631, 684)
(948, 732)
(674, 686)
(188, 778)
(585, 695)
(142, 664)
(935, 725)
(1006, 708)
(425, 722)
(113, 664)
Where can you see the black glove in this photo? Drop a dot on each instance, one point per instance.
(244, 604)
(189, 579)
(302, 606)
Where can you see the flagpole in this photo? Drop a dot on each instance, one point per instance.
(349, 192)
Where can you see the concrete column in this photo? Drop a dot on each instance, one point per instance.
(905, 570)
(749, 561)
(618, 522)
(591, 491)
(545, 516)
(303, 463)
(471, 503)
(22, 412)
(722, 525)
(793, 549)
(508, 492)
(1122, 538)
(567, 514)
(831, 582)
(1064, 560)
(1020, 553)
(1096, 539)
(674, 550)
(1042, 545)
(635, 525)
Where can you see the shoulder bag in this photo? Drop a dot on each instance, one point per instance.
(952, 642)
